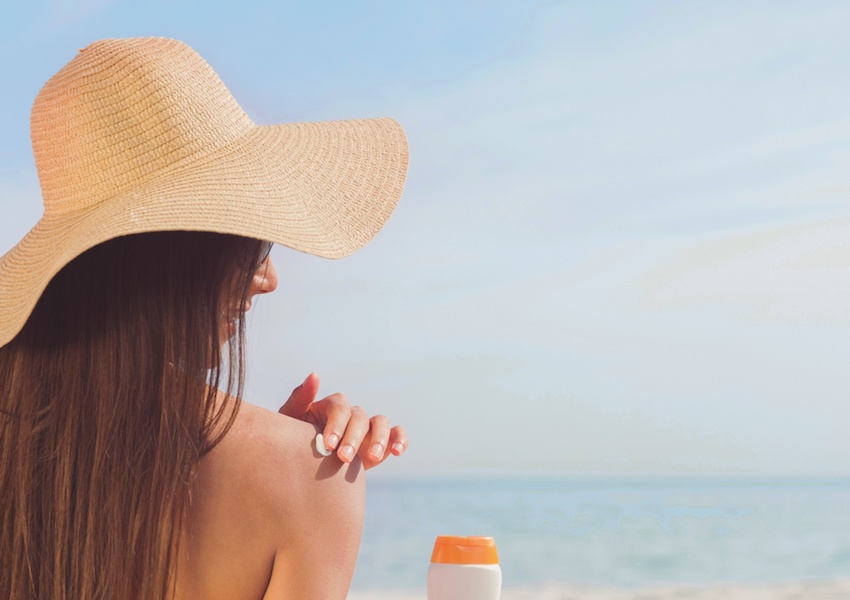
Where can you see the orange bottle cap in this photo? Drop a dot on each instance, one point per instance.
(457, 550)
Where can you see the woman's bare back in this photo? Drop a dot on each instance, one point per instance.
(270, 518)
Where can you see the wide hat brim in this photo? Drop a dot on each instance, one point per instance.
(324, 188)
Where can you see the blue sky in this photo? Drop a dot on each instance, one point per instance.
(624, 246)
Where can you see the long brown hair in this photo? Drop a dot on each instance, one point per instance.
(108, 398)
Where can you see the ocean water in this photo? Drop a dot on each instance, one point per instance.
(625, 533)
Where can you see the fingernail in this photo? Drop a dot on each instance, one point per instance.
(332, 441)
(398, 448)
(347, 451)
(377, 451)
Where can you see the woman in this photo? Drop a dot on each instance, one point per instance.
(125, 471)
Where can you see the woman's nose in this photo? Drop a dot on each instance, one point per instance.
(265, 278)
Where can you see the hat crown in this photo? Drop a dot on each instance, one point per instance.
(123, 112)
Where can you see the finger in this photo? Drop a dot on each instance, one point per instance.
(378, 439)
(398, 440)
(396, 446)
(355, 432)
(301, 398)
(335, 412)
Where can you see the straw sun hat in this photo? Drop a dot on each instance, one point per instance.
(140, 135)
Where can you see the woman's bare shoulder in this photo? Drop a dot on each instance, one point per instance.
(263, 445)
(276, 457)
(262, 501)
(271, 463)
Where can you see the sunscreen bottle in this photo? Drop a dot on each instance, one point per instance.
(464, 568)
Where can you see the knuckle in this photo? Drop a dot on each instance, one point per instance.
(337, 406)
(380, 422)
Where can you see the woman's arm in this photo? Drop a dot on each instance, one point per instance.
(318, 550)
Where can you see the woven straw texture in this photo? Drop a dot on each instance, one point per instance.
(140, 135)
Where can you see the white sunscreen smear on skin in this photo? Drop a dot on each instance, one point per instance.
(320, 445)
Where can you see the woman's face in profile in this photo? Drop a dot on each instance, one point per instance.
(263, 282)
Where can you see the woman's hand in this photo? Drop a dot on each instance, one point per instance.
(346, 429)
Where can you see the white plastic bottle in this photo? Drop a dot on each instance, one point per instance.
(464, 568)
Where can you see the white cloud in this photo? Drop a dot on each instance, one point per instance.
(64, 13)
(793, 273)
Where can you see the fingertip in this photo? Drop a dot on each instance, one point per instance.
(346, 453)
(331, 440)
(321, 448)
(398, 440)
(376, 452)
